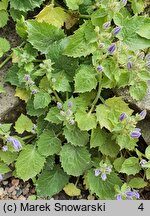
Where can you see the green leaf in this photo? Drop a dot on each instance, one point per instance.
(48, 143)
(32, 111)
(62, 83)
(113, 107)
(86, 121)
(4, 18)
(130, 166)
(52, 115)
(75, 136)
(4, 168)
(85, 79)
(21, 27)
(41, 100)
(8, 157)
(29, 163)
(43, 35)
(51, 182)
(137, 6)
(25, 5)
(4, 128)
(52, 15)
(139, 90)
(129, 34)
(23, 123)
(74, 4)
(103, 189)
(147, 174)
(118, 163)
(103, 140)
(4, 46)
(82, 43)
(3, 4)
(126, 141)
(74, 160)
(50, 163)
(71, 190)
(144, 31)
(137, 183)
(147, 152)
(11, 75)
(99, 17)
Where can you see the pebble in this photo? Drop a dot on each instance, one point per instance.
(5, 182)
(15, 182)
(11, 189)
(21, 197)
(1, 191)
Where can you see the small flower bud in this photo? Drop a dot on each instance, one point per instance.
(4, 148)
(71, 122)
(97, 172)
(70, 104)
(143, 162)
(103, 176)
(147, 57)
(27, 77)
(68, 112)
(141, 55)
(122, 116)
(116, 30)
(123, 2)
(34, 91)
(136, 133)
(112, 48)
(100, 68)
(129, 65)
(106, 25)
(143, 114)
(101, 45)
(62, 113)
(59, 105)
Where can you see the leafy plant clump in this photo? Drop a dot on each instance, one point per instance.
(73, 54)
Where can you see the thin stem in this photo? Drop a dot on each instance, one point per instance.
(84, 16)
(27, 137)
(57, 97)
(52, 2)
(5, 61)
(98, 94)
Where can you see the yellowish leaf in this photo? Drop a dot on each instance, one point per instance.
(22, 94)
(52, 15)
(71, 190)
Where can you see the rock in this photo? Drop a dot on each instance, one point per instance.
(145, 126)
(7, 99)
(5, 182)
(1, 191)
(137, 105)
(11, 189)
(21, 197)
(15, 182)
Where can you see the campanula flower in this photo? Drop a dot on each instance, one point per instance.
(100, 68)
(128, 195)
(71, 122)
(4, 148)
(123, 2)
(112, 48)
(136, 133)
(122, 116)
(1, 177)
(27, 77)
(70, 104)
(147, 57)
(59, 105)
(143, 114)
(97, 172)
(101, 45)
(103, 171)
(15, 142)
(116, 30)
(106, 25)
(143, 162)
(129, 65)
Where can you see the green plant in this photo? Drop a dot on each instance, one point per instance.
(63, 75)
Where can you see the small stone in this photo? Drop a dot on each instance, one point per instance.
(1, 191)
(11, 189)
(21, 197)
(25, 191)
(5, 182)
(15, 182)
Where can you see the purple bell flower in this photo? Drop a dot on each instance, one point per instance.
(4, 148)
(136, 133)
(129, 65)
(100, 68)
(59, 105)
(15, 142)
(97, 172)
(122, 116)
(1, 177)
(70, 104)
(143, 114)
(103, 176)
(112, 48)
(116, 30)
(106, 25)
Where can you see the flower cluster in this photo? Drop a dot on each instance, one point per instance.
(15, 143)
(128, 195)
(103, 171)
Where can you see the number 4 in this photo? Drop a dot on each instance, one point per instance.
(141, 207)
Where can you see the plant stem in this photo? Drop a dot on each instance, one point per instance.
(27, 137)
(52, 2)
(98, 94)
(84, 16)
(5, 61)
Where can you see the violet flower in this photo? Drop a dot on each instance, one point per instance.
(1, 177)
(147, 57)
(59, 105)
(112, 48)
(136, 133)
(129, 65)
(70, 104)
(116, 30)
(106, 25)
(100, 68)
(143, 162)
(26, 77)
(103, 176)
(124, 2)
(5, 148)
(15, 142)
(97, 172)
(122, 116)
(143, 114)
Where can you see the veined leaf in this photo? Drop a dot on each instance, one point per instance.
(4, 46)
(43, 35)
(130, 166)
(29, 163)
(51, 182)
(74, 4)
(52, 15)
(74, 160)
(3, 19)
(4, 168)
(137, 183)
(25, 5)
(23, 123)
(71, 190)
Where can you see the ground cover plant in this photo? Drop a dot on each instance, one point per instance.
(73, 54)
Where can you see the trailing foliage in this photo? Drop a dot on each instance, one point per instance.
(70, 59)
